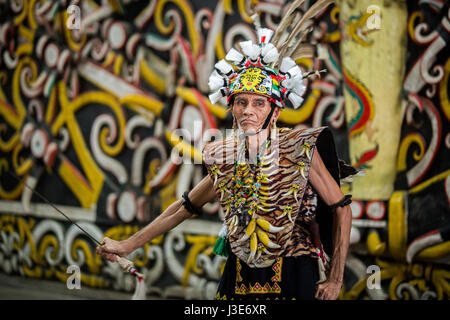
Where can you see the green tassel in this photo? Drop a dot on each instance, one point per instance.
(220, 247)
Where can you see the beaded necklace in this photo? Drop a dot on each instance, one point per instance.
(245, 189)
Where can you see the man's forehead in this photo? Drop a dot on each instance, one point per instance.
(250, 96)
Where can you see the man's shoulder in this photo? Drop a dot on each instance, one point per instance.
(302, 132)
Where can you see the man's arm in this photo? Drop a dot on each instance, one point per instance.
(176, 213)
(329, 191)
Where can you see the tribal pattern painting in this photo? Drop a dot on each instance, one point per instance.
(104, 111)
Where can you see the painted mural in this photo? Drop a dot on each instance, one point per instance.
(94, 95)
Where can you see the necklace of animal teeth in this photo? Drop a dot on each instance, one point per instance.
(245, 190)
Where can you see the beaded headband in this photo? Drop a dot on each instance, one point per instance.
(266, 69)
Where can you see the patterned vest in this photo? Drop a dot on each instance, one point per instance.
(269, 233)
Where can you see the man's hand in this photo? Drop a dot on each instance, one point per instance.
(110, 248)
(328, 290)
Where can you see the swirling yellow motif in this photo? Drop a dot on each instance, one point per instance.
(24, 49)
(25, 234)
(436, 251)
(334, 36)
(31, 18)
(152, 78)
(118, 64)
(244, 15)
(441, 279)
(16, 192)
(26, 33)
(190, 22)
(50, 110)
(439, 177)
(404, 147)
(87, 194)
(334, 14)
(47, 241)
(25, 166)
(7, 146)
(199, 244)
(443, 91)
(228, 8)
(220, 51)
(151, 173)
(411, 23)
(93, 261)
(105, 98)
(291, 116)
(353, 26)
(109, 59)
(22, 16)
(397, 228)
(74, 46)
(18, 103)
(152, 105)
(374, 244)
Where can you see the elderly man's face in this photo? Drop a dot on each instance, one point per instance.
(251, 110)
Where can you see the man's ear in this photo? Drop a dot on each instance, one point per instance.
(276, 114)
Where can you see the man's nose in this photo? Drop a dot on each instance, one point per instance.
(248, 110)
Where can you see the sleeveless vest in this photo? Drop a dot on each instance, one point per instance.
(268, 234)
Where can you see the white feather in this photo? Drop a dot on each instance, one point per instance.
(294, 72)
(216, 96)
(269, 53)
(287, 83)
(264, 32)
(234, 56)
(286, 64)
(223, 67)
(250, 50)
(216, 82)
(295, 99)
(265, 49)
(299, 87)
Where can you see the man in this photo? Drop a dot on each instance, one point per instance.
(279, 188)
(250, 112)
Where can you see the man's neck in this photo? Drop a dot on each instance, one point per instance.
(254, 143)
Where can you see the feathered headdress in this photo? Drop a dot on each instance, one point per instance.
(269, 68)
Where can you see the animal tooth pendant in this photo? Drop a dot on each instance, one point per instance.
(260, 250)
(267, 226)
(253, 247)
(306, 149)
(227, 207)
(263, 178)
(215, 172)
(264, 238)
(249, 230)
(234, 224)
(222, 188)
(265, 209)
(287, 210)
(294, 189)
(301, 168)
